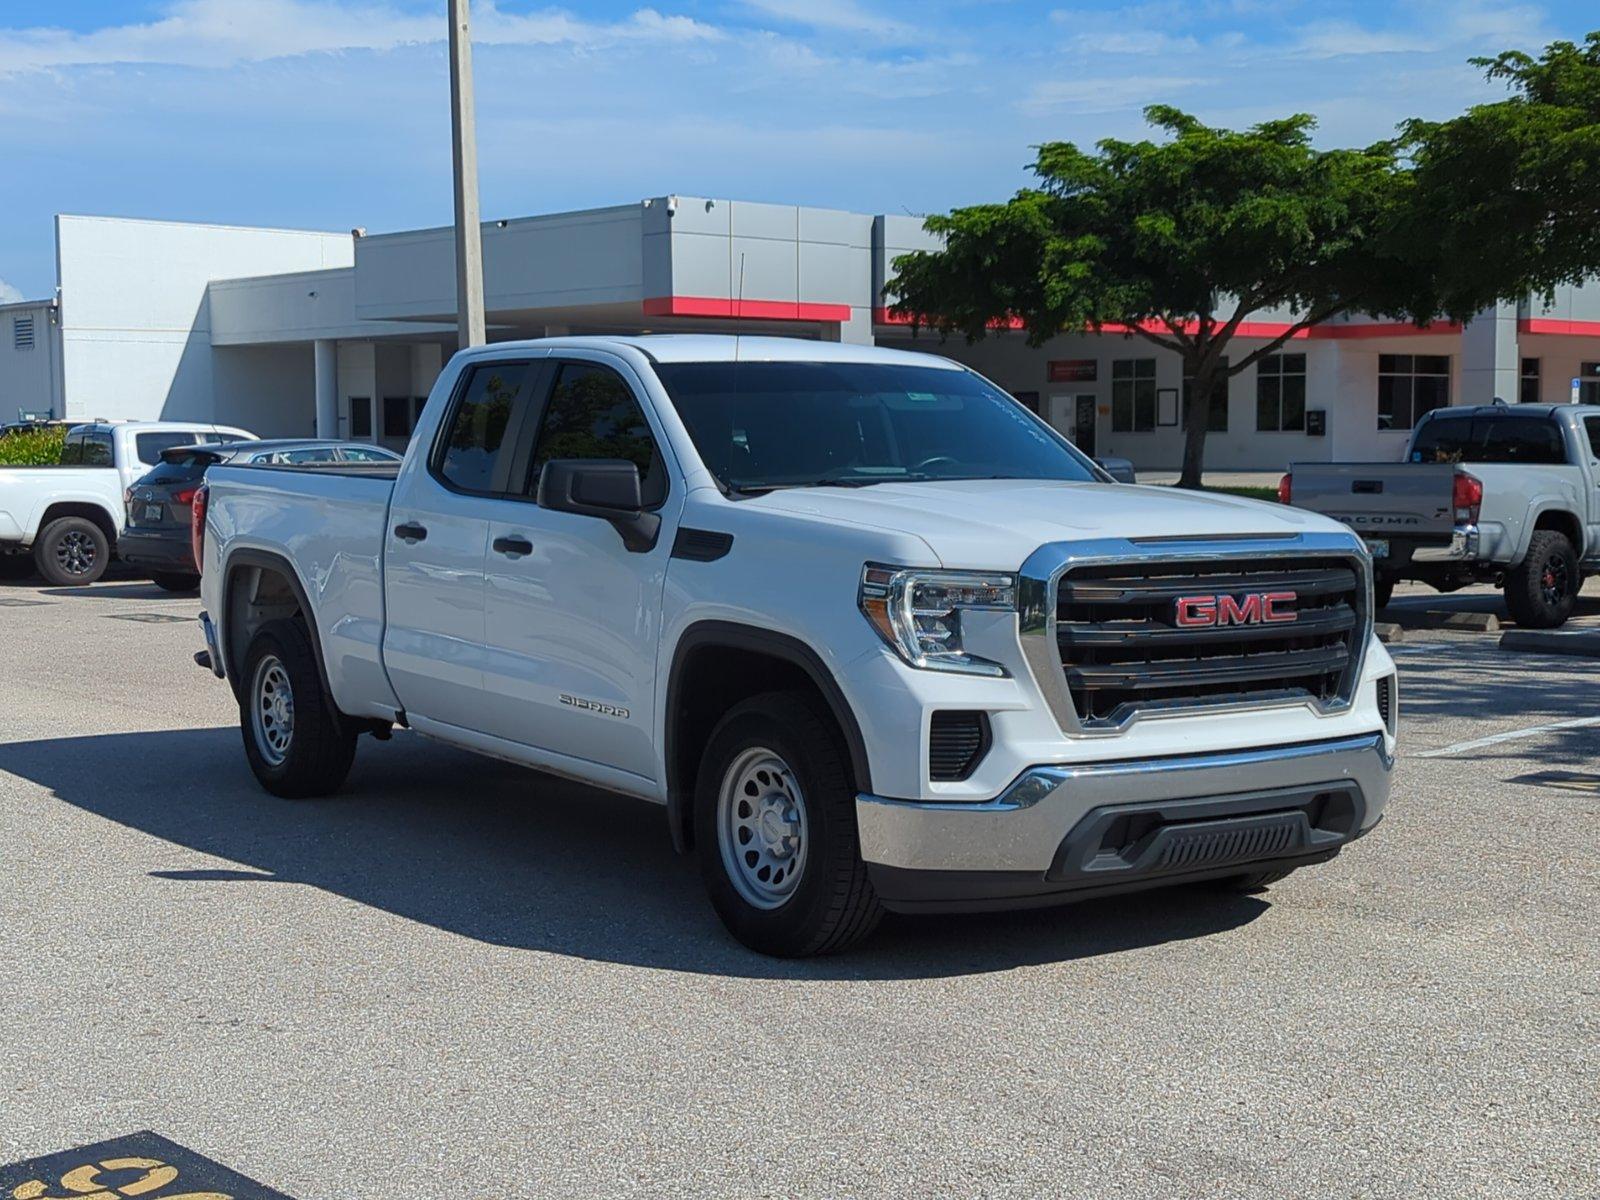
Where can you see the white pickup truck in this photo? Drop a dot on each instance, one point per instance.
(874, 634)
(63, 519)
(1508, 494)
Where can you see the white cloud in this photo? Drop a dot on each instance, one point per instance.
(9, 294)
(220, 33)
(845, 16)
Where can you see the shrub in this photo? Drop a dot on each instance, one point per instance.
(32, 447)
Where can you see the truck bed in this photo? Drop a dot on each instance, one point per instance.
(328, 522)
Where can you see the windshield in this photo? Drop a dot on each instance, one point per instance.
(765, 425)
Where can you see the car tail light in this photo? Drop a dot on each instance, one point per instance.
(185, 495)
(1285, 489)
(197, 525)
(127, 497)
(1467, 498)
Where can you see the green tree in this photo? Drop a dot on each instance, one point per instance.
(1179, 241)
(1508, 193)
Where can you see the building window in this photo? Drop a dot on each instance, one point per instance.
(1133, 395)
(397, 416)
(1281, 394)
(360, 416)
(1217, 418)
(1528, 388)
(22, 333)
(1410, 385)
(1589, 383)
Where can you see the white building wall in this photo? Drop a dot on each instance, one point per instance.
(135, 326)
(29, 375)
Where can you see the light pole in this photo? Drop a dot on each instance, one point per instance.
(464, 143)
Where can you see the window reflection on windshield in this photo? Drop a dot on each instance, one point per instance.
(760, 425)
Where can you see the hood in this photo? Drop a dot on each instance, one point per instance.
(994, 524)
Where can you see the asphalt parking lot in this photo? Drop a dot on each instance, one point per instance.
(458, 978)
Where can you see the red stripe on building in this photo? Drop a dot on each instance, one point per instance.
(749, 310)
(1247, 329)
(1563, 328)
(1381, 329)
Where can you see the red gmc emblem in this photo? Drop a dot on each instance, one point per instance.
(1254, 608)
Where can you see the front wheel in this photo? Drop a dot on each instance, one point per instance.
(775, 824)
(171, 581)
(293, 738)
(71, 550)
(1542, 589)
(1382, 592)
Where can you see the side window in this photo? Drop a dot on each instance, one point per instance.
(592, 413)
(72, 449)
(315, 454)
(476, 430)
(1591, 426)
(1522, 440)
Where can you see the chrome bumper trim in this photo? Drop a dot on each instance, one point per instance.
(1463, 547)
(1020, 828)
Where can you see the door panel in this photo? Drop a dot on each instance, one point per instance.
(573, 624)
(435, 544)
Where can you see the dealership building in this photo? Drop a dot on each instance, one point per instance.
(294, 333)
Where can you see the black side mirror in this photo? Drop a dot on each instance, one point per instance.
(608, 488)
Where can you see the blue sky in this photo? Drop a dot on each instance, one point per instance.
(332, 113)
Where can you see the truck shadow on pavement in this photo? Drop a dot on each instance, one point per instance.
(518, 859)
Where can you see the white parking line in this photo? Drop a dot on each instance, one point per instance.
(1509, 736)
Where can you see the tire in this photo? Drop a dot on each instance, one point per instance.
(782, 750)
(1382, 592)
(293, 738)
(170, 581)
(1542, 589)
(1254, 881)
(71, 550)
(17, 566)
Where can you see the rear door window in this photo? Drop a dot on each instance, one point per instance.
(1591, 426)
(97, 450)
(473, 453)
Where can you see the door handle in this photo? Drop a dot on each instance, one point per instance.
(513, 547)
(410, 532)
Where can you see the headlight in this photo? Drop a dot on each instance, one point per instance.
(918, 613)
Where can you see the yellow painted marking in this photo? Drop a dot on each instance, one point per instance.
(83, 1182)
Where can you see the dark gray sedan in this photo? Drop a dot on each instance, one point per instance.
(157, 536)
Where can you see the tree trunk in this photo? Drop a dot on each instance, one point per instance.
(1202, 387)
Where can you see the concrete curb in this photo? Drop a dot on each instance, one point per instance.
(1578, 643)
(1473, 622)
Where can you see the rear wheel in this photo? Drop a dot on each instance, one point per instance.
(1542, 589)
(71, 550)
(776, 826)
(171, 581)
(16, 566)
(293, 738)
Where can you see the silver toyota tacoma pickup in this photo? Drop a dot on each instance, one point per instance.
(1508, 494)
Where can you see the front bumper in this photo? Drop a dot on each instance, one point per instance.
(1065, 832)
(157, 551)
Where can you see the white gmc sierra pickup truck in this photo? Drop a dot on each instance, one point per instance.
(875, 635)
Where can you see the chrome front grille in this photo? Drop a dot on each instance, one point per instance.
(1219, 625)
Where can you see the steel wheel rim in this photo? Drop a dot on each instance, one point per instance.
(1553, 580)
(272, 710)
(762, 829)
(76, 553)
